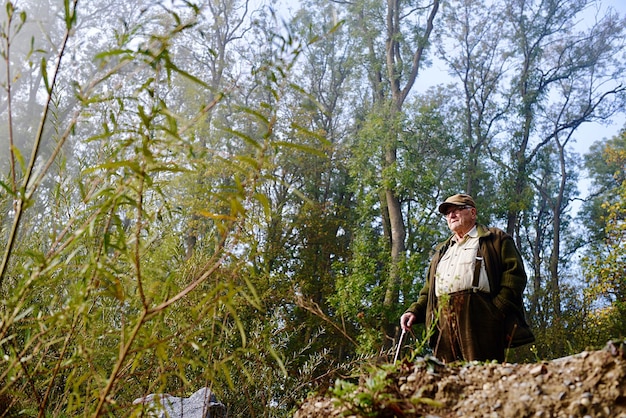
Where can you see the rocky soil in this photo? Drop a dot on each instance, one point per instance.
(588, 384)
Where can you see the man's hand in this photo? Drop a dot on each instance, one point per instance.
(406, 321)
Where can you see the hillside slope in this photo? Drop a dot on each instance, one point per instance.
(588, 384)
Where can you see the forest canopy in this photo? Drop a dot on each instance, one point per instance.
(229, 194)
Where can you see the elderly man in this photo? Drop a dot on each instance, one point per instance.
(472, 297)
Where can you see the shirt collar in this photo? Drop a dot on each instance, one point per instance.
(472, 233)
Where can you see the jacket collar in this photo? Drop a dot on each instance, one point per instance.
(482, 231)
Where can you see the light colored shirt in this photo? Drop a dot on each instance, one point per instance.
(455, 271)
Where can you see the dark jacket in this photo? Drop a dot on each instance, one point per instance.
(505, 271)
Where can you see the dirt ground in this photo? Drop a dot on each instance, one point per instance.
(588, 384)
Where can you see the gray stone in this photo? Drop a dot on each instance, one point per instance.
(202, 404)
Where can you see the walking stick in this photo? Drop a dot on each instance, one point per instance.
(399, 345)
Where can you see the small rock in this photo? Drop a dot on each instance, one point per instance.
(202, 404)
(506, 371)
(537, 370)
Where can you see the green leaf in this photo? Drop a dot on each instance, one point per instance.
(70, 15)
(280, 362)
(44, 74)
(7, 188)
(10, 7)
(247, 138)
(114, 165)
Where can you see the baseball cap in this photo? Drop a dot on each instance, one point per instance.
(456, 200)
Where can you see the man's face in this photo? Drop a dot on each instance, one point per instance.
(461, 219)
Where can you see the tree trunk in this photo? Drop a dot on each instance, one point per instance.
(399, 93)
